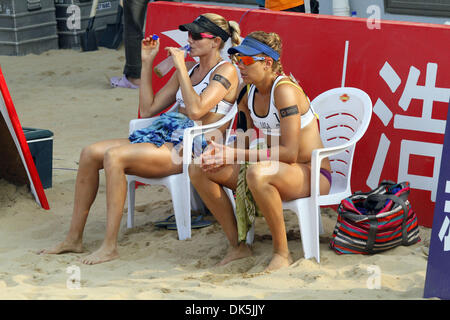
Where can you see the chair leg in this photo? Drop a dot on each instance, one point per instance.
(321, 229)
(309, 230)
(131, 200)
(250, 235)
(182, 207)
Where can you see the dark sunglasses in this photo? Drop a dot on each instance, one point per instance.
(200, 36)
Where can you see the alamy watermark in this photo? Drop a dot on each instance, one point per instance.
(374, 280)
(374, 19)
(74, 17)
(232, 151)
(74, 280)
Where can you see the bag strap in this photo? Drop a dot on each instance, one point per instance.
(382, 198)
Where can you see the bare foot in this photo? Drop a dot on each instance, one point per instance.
(64, 247)
(235, 253)
(279, 261)
(100, 256)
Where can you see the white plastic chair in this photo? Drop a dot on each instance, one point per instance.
(344, 116)
(178, 184)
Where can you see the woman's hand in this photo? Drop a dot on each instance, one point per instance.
(177, 56)
(216, 156)
(149, 49)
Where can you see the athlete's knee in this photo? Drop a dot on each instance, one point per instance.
(195, 173)
(90, 153)
(112, 158)
(255, 176)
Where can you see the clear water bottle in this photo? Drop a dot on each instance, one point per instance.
(354, 14)
(167, 64)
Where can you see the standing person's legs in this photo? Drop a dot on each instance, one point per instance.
(134, 16)
(314, 4)
(296, 9)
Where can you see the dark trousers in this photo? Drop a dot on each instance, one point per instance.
(133, 17)
(296, 9)
(314, 4)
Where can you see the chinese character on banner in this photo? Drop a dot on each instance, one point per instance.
(422, 122)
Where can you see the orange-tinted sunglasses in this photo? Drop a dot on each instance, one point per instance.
(249, 60)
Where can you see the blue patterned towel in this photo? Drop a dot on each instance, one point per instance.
(168, 127)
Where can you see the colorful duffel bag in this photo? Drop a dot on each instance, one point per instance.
(375, 221)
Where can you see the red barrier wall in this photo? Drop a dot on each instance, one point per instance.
(404, 67)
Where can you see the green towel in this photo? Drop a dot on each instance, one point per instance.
(246, 209)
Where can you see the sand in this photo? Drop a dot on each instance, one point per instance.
(67, 92)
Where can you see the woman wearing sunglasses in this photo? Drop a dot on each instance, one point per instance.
(279, 171)
(203, 92)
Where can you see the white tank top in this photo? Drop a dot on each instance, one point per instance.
(270, 123)
(222, 107)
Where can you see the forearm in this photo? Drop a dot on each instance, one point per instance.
(249, 155)
(146, 95)
(191, 99)
(277, 153)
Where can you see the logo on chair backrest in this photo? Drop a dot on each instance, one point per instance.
(344, 97)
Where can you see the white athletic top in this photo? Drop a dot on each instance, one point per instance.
(222, 107)
(270, 123)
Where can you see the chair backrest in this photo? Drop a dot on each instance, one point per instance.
(344, 116)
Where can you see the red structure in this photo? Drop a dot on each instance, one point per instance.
(404, 67)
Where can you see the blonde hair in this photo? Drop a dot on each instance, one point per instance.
(231, 27)
(273, 40)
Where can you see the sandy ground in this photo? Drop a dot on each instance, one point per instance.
(67, 92)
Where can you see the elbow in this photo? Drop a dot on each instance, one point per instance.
(143, 114)
(144, 110)
(288, 157)
(194, 114)
(291, 158)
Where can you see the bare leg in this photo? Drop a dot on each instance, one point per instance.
(209, 187)
(143, 159)
(269, 190)
(86, 187)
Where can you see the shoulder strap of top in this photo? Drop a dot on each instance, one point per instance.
(300, 88)
(192, 69)
(216, 66)
(290, 82)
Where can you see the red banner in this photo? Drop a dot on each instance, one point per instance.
(404, 67)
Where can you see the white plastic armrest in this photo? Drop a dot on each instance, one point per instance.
(190, 133)
(331, 151)
(208, 127)
(137, 124)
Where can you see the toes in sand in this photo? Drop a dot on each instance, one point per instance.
(279, 261)
(100, 256)
(235, 253)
